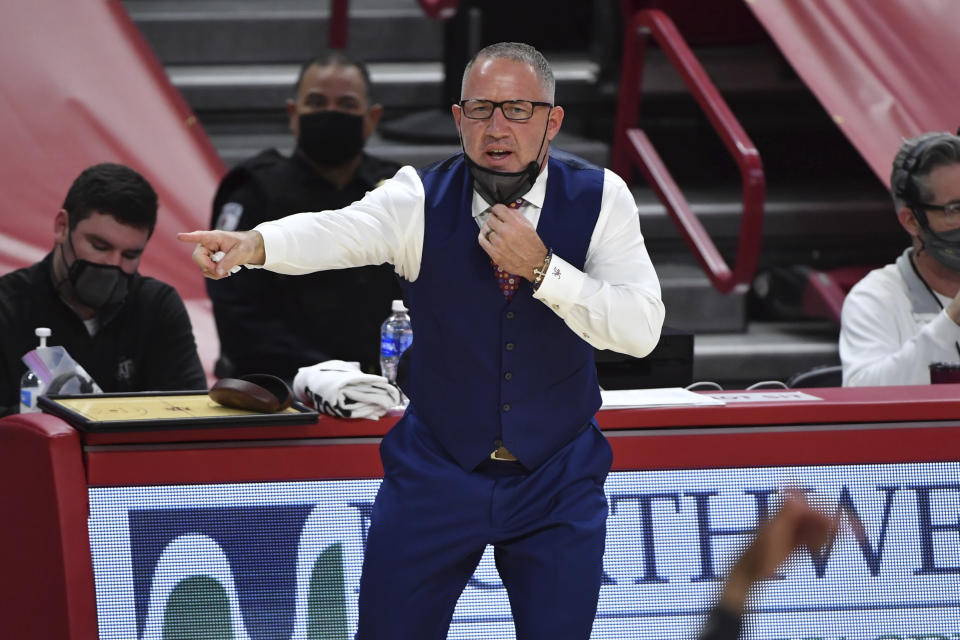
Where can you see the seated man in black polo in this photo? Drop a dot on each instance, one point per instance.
(130, 332)
(272, 323)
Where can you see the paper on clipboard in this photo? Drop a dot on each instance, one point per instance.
(666, 397)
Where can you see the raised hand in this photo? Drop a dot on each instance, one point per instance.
(512, 242)
(795, 525)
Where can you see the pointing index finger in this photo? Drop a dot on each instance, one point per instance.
(201, 253)
(195, 237)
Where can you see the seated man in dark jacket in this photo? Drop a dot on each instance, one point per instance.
(130, 332)
(272, 323)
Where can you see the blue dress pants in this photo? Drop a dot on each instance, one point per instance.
(432, 520)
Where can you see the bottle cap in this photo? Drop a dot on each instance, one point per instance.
(398, 306)
(43, 333)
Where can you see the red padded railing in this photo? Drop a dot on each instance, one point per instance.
(338, 23)
(825, 291)
(439, 9)
(632, 148)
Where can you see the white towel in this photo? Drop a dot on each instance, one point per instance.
(340, 389)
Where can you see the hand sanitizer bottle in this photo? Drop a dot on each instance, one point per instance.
(31, 387)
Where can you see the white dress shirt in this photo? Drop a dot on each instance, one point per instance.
(884, 340)
(614, 303)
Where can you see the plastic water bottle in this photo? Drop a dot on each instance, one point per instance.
(396, 335)
(31, 387)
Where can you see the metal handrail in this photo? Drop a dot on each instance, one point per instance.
(632, 148)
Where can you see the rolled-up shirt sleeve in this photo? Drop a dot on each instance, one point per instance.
(614, 303)
(386, 225)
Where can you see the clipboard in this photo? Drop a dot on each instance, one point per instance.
(147, 411)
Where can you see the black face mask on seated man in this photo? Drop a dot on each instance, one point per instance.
(504, 187)
(330, 138)
(97, 286)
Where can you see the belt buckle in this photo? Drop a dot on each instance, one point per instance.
(502, 454)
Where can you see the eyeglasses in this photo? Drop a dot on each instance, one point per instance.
(512, 109)
(951, 210)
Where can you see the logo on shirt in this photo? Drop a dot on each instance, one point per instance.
(125, 370)
(229, 218)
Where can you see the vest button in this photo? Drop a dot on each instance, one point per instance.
(506, 406)
(509, 346)
(508, 376)
(510, 315)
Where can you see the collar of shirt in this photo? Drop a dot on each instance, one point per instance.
(532, 201)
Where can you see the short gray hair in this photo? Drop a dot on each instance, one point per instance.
(915, 160)
(518, 52)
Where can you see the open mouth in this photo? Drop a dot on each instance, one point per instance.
(498, 155)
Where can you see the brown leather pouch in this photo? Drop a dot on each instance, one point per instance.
(255, 392)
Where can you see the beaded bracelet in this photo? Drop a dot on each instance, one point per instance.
(542, 271)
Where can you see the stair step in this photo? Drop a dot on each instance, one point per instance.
(829, 225)
(278, 31)
(406, 85)
(766, 351)
(694, 305)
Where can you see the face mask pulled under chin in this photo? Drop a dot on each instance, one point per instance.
(504, 187)
(98, 286)
(943, 246)
(330, 138)
(501, 187)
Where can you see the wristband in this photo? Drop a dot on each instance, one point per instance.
(542, 271)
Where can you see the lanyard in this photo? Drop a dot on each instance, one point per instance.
(934, 295)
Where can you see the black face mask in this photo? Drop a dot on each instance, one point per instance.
(98, 286)
(943, 246)
(501, 187)
(504, 187)
(330, 138)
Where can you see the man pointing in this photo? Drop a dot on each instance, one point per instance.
(517, 262)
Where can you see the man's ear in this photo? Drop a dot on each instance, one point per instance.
(370, 121)
(457, 113)
(555, 119)
(908, 220)
(61, 226)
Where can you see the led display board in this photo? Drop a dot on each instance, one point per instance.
(282, 560)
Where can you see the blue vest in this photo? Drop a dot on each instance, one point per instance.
(483, 370)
